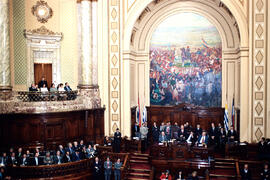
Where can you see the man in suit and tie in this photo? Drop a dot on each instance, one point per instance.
(97, 169)
(12, 161)
(3, 159)
(168, 130)
(246, 173)
(162, 137)
(265, 174)
(76, 156)
(66, 157)
(117, 141)
(42, 82)
(70, 149)
(203, 139)
(107, 169)
(24, 160)
(19, 153)
(62, 150)
(57, 158)
(36, 161)
(232, 135)
(155, 132)
(213, 134)
(182, 134)
(198, 131)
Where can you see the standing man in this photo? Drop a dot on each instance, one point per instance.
(168, 130)
(117, 171)
(42, 82)
(117, 141)
(97, 169)
(144, 133)
(155, 132)
(107, 169)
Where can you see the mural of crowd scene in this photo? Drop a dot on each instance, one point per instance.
(185, 62)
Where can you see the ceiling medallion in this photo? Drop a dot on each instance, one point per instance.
(42, 11)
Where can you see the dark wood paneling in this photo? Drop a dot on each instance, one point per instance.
(51, 129)
(181, 114)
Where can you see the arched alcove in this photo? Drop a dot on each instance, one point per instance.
(137, 38)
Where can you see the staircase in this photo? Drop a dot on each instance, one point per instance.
(224, 169)
(140, 167)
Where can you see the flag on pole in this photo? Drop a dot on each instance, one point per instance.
(226, 121)
(138, 119)
(233, 113)
(144, 115)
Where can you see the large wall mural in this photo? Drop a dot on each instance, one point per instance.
(185, 62)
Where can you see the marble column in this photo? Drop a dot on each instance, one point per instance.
(88, 86)
(5, 84)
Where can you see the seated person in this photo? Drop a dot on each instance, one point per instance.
(67, 87)
(76, 156)
(12, 161)
(193, 176)
(3, 160)
(179, 176)
(48, 159)
(44, 88)
(90, 151)
(42, 82)
(36, 161)
(265, 174)
(232, 135)
(24, 160)
(182, 134)
(175, 129)
(188, 127)
(203, 139)
(168, 130)
(162, 127)
(33, 88)
(162, 137)
(62, 150)
(166, 176)
(191, 138)
(67, 157)
(81, 145)
(245, 173)
(61, 89)
(107, 141)
(58, 158)
(53, 91)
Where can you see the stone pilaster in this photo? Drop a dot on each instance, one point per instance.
(5, 84)
(88, 84)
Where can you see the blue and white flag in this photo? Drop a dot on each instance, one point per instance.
(144, 115)
(226, 120)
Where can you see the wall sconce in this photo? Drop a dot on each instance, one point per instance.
(42, 11)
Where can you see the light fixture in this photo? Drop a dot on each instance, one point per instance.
(42, 11)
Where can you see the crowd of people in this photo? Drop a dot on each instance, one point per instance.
(186, 75)
(216, 135)
(71, 153)
(42, 87)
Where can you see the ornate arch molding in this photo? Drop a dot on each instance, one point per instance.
(155, 13)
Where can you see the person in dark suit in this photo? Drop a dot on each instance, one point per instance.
(107, 169)
(67, 87)
(203, 139)
(117, 141)
(193, 176)
(265, 174)
(24, 160)
(222, 139)
(57, 158)
(198, 131)
(188, 127)
(12, 161)
(66, 157)
(70, 149)
(245, 173)
(81, 145)
(191, 138)
(36, 161)
(33, 88)
(19, 153)
(76, 156)
(182, 134)
(3, 159)
(155, 133)
(97, 169)
(62, 150)
(107, 141)
(42, 82)
(162, 137)
(168, 130)
(175, 128)
(213, 134)
(232, 135)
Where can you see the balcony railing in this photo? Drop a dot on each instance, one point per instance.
(29, 96)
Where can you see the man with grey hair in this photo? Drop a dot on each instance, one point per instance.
(144, 133)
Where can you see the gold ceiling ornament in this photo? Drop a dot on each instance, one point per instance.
(42, 11)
